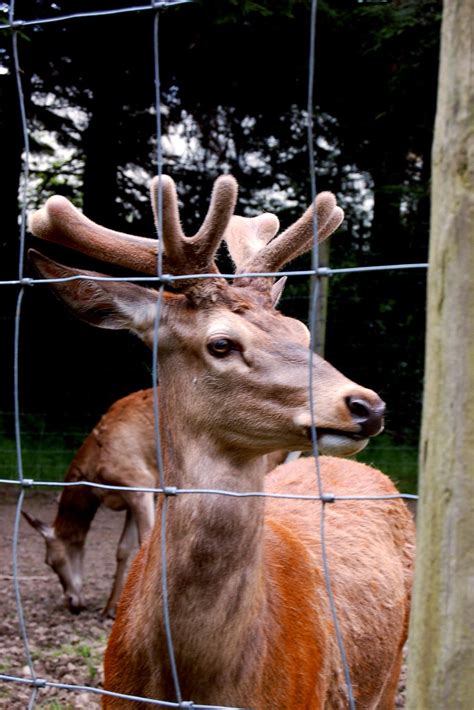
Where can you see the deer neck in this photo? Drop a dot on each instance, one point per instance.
(214, 549)
(76, 510)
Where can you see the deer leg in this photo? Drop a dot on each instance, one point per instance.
(389, 693)
(142, 506)
(128, 541)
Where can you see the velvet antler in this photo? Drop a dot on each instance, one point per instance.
(60, 222)
(253, 250)
(250, 241)
(247, 236)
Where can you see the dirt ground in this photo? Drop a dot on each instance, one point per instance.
(64, 648)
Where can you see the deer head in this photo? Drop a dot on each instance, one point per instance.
(237, 367)
(65, 559)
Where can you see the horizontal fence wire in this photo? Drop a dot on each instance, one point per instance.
(40, 683)
(169, 279)
(162, 279)
(17, 23)
(174, 490)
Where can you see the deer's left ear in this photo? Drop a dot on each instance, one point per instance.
(105, 304)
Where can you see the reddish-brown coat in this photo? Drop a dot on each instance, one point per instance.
(296, 662)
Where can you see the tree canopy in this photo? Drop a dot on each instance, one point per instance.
(234, 86)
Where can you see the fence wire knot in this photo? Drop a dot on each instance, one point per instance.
(165, 279)
(160, 4)
(171, 491)
(26, 281)
(186, 704)
(328, 497)
(38, 683)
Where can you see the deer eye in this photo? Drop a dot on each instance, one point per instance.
(221, 347)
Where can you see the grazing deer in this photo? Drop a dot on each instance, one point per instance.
(119, 451)
(250, 617)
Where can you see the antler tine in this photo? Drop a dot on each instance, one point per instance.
(221, 209)
(170, 212)
(246, 236)
(194, 254)
(298, 238)
(62, 223)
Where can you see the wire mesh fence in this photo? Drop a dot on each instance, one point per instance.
(27, 479)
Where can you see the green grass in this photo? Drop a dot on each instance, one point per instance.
(5, 664)
(46, 455)
(43, 463)
(90, 655)
(399, 461)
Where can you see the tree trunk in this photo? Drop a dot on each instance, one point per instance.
(322, 303)
(441, 666)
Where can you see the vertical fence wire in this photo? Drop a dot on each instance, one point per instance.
(16, 356)
(314, 296)
(155, 365)
(315, 274)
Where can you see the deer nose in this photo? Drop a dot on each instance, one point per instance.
(368, 415)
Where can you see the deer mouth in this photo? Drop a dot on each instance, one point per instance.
(338, 442)
(355, 436)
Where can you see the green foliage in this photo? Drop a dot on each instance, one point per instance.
(395, 20)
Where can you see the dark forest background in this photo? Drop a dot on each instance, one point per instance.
(234, 77)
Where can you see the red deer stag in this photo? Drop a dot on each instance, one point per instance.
(250, 617)
(119, 451)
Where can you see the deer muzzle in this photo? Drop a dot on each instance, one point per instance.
(361, 416)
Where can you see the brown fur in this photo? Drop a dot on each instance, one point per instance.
(283, 655)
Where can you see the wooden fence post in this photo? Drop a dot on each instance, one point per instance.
(441, 656)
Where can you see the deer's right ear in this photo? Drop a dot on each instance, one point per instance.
(105, 304)
(44, 530)
(277, 290)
